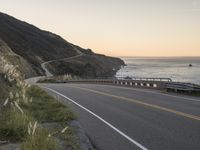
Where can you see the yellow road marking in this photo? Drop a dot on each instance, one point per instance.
(143, 103)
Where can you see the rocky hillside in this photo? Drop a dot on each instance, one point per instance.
(33, 46)
(87, 66)
(14, 59)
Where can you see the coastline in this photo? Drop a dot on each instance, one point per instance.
(162, 67)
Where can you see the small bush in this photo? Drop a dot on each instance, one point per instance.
(13, 126)
(40, 141)
(70, 139)
(68, 136)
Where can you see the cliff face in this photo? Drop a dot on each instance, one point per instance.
(35, 46)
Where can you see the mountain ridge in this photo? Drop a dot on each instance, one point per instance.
(37, 46)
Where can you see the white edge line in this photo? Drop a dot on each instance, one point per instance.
(104, 121)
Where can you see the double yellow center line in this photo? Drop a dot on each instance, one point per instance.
(190, 116)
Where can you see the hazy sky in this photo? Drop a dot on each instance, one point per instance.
(117, 27)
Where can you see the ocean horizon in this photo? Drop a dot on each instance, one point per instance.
(176, 68)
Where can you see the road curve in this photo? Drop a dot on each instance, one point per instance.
(127, 119)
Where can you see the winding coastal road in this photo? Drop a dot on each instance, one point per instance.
(48, 73)
(122, 118)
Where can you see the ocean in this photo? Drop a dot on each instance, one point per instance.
(176, 68)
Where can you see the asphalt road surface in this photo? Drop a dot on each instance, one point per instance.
(120, 118)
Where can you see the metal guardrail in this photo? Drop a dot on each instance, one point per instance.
(182, 87)
(152, 83)
(156, 83)
(145, 79)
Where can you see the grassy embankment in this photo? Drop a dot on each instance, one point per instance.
(45, 109)
(59, 79)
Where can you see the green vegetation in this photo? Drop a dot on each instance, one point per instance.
(68, 136)
(45, 108)
(4, 88)
(69, 139)
(24, 109)
(40, 141)
(13, 126)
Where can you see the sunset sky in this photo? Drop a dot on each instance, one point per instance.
(117, 27)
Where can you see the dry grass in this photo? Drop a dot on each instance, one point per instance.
(40, 141)
(13, 126)
(23, 106)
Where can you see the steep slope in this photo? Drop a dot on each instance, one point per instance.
(37, 46)
(14, 59)
(32, 43)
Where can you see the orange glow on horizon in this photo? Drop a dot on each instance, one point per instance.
(117, 28)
